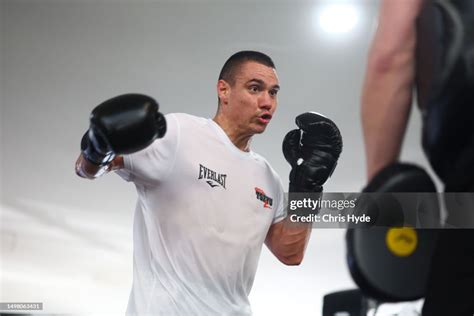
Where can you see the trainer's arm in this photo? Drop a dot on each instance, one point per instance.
(287, 241)
(88, 170)
(387, 92)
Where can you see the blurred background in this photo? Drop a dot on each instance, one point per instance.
(66, 241)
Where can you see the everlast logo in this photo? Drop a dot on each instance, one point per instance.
(267, 201)
(212, 178)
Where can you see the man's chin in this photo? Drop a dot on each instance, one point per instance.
(260, 129)
(257, 127)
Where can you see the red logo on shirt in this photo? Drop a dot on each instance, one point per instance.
(267, 201)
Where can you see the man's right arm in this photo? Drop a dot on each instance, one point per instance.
(122, 125)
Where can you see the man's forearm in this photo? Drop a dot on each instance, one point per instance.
(386, 104)
(288, 241)
(387, 93)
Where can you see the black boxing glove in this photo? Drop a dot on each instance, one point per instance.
(122, 125)
(312, 151)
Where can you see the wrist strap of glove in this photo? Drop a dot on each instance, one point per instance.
(294, 188)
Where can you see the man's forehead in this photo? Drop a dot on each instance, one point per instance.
(253, 70)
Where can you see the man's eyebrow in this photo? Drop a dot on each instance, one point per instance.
(261, 82)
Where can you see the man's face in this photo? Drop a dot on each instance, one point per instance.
(251, 101)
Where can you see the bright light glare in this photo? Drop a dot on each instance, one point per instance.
(338, 18)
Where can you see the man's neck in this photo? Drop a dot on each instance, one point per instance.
(240, 139)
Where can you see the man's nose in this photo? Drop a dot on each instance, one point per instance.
(266, 102)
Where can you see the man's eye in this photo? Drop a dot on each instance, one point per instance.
(254, 88)
(273, 93)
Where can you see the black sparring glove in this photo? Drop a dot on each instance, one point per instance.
(312, 151)
(122, 125)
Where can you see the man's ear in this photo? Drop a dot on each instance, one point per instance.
(223, 89)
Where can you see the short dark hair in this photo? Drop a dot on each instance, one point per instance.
(232, 65)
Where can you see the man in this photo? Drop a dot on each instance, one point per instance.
(397, 61)
(206, 202)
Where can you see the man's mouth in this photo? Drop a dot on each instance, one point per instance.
(265, 118)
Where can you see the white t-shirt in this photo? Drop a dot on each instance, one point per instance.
(203, 211)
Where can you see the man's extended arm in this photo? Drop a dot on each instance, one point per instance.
(387, 92)
(122, 125)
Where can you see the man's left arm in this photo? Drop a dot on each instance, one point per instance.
(287, 241)
(312, 151)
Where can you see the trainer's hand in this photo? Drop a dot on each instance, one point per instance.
(122, 125)
(312, 151)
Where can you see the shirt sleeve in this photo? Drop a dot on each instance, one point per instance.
(281, 211)
(152, 164)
